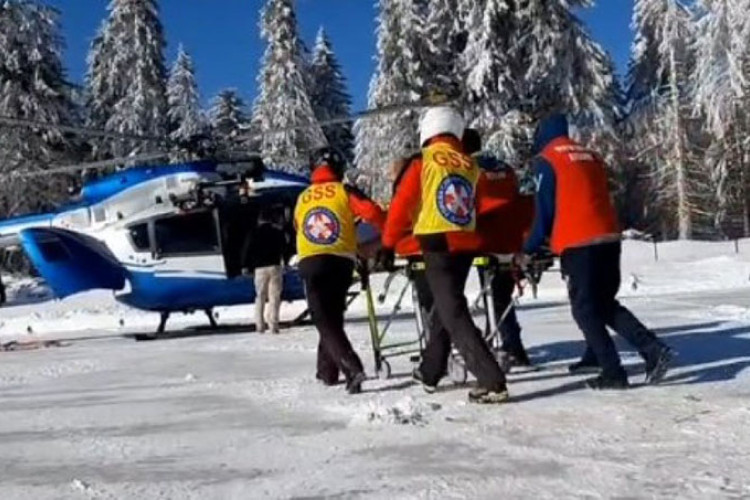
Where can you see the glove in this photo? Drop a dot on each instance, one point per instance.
(385, 260)
(542, 260)
(522, 261)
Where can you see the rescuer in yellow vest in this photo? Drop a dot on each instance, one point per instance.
(325, 218)
(437, 198)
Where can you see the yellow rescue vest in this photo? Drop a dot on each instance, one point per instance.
(324, 221)
(449, 180)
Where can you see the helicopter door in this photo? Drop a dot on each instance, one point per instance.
(238, 224)
(187, 246)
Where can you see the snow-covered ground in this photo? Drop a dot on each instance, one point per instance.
(240, 416)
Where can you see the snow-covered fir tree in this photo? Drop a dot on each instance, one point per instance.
(283, 111)
(491, 63)
(720, 97)
(186, 122)
(565, 69)
(443, 41)
(32, 87)
(398, 79)
(126, 78)
(330, 97)
(228, 118)
(526, 59)
(722, 43)
(660, 120)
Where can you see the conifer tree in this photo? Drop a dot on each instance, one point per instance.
(126, 78)
(663, 132)
(330, 97)
(283, 111)
(228, 118)
(398, 79)
(444, 40)
(32, 87)
(720, 96)
(187, 125)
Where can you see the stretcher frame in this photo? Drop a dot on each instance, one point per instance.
(493, 264)
(381, 350)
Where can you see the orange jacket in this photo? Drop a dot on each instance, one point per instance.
(361, 206)
(505, 216)
(502, 216)
(584, 212)
(403, 211)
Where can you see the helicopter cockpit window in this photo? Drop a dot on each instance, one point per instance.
(186, 234)
(139, 236)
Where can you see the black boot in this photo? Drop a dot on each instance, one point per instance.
(584, 367)
(418, 377)
(521, 359)
(354, 383)
(480, 395)
(327, 381)
(602, 383)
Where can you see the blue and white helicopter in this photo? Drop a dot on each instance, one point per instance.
(162, 238)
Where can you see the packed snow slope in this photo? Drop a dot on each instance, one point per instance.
(240, 416)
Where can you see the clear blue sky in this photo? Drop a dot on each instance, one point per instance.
(223, 38)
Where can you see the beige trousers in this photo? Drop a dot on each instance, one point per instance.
(269, 282)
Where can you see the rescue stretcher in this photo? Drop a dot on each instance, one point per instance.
(483, 304)
(381, 349)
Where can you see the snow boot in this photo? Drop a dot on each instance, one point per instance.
(505, 360)
(520, 362)
(583, 367)
(418, 377)
(656, 367)
(480, 395)
(327, 381)
(354, 384)
(602, 383)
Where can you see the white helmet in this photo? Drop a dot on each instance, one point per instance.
(440, 120)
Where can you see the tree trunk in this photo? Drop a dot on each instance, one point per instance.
(744, 193)
(685, 227)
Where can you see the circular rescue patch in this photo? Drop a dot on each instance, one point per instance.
(322, 227)
(455, 200)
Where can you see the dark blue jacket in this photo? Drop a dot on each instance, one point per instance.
(489, 163)
(551, 128)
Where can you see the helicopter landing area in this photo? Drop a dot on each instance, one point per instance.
(241, 416)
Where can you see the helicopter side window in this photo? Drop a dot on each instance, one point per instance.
(186, 234)
(139, 237)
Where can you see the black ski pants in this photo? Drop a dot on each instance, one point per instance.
(327, 280)
(431, 319)
(447, 275)
(593, 274)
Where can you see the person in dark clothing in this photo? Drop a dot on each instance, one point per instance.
(436, 202)
(327, 282)
(501, 232)
(408, 247)
(269, 255)
(503, 285)
(326, 244)
(575, 213)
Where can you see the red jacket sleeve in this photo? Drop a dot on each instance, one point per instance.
(404, 205)
(366, 209)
